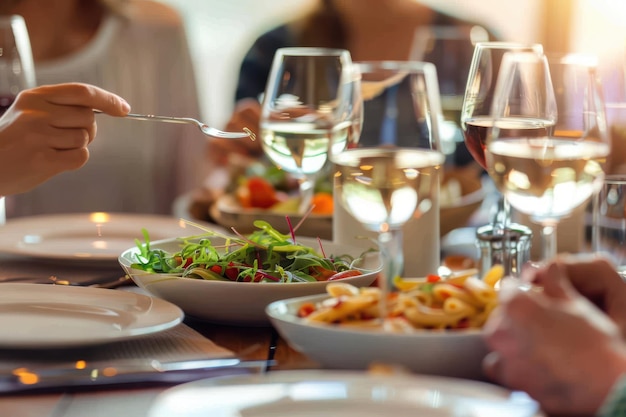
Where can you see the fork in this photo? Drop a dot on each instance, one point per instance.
(204, 128)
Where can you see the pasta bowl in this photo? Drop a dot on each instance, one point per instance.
(233, 302)
(457, 353)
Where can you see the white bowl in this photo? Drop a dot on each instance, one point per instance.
(229, 302)
(446, 353)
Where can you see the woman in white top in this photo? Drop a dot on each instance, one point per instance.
(137, 49)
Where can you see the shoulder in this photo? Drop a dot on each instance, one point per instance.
(155, 13)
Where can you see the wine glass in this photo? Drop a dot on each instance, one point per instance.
(475, 121)
(391, 175)
(306, 104)
(17, 70)
(450, 48)
(553, 165)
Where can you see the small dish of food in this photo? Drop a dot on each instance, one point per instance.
(432, 326)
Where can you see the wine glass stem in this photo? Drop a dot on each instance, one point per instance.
(390, 244)
(548, 240)
(502, 217)
(307, 188)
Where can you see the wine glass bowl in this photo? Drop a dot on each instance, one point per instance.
(17, 70)
(16, 61)
(479, 92)
(305, 109)
(450, 48)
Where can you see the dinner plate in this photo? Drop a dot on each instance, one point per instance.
(345, 394)
(56, 316)
(88, 237)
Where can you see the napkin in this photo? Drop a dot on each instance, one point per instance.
(180, 343)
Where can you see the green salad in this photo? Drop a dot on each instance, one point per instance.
(265, 255)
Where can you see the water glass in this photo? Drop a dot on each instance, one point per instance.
(609, 221)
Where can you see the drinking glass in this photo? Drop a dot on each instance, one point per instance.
(17, 70)
(547, 166)
(609, 222)
(391, 175)
(307, 104)
(450, 48)
(476, 120)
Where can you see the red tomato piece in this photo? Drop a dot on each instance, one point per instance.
(345, 274)
(433, 278)
(306, 309)
(262, 192)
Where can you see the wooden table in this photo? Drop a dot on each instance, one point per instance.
(254, 343)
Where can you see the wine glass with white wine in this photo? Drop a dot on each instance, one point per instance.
(17, 71)
(306, 106)
(392, 174)
(548, 176)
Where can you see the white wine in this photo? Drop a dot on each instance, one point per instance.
(384, 188)
(546, 178)
(301, 148)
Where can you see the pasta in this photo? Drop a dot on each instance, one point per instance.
(459, 302)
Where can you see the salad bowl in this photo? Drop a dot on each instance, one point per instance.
(236, 302)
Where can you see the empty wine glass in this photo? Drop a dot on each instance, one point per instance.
(17, 70)
(392, 174)
(306, 105)
(546, 166)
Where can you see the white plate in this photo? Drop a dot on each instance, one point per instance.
(91, 237)
(230, 302)
(456, 353)
(54, 316)
(344, 394)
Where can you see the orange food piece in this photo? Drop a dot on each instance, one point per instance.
(323, 203)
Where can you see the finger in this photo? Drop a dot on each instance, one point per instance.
(71, 159)
(556, 284)
(593, 276)
(491, 366)
(66, 139)
(85, 95)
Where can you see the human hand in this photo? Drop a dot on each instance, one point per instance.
(46, 131)
(554, 344)
(247, 114)
(596, 279)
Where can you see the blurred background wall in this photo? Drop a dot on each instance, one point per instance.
(220, 31)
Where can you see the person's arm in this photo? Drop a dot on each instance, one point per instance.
(46, 131)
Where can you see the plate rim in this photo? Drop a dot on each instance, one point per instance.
(407, 382)
(165, 315)
(14, 230)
